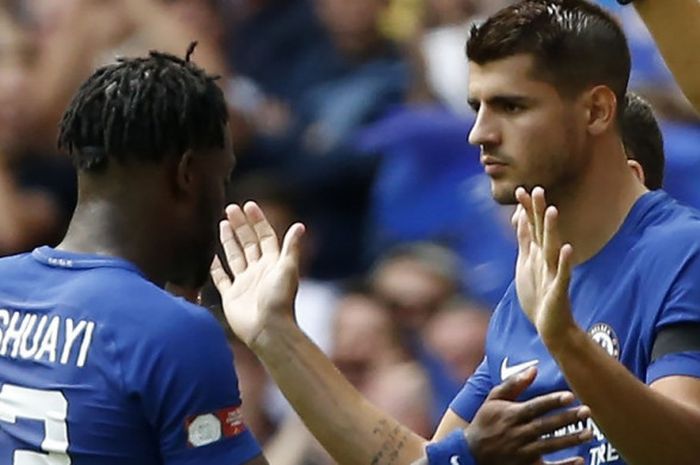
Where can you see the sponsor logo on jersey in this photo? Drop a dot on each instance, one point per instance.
(508, 371)
(211, 427)
(605, 336)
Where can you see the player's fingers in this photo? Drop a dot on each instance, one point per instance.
(563, 279)
(551, 242)
(525, 202)
(555, 444)
(267, 238)
(538, 206)
(524, 236)
(540, 405)
(291, 246)
(516, 216)
(513, 386)
(549, 423)
(219, 276)
(244, 233)
(232, 249)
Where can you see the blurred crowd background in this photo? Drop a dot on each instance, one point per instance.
(349, 115)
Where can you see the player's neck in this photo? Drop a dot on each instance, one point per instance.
(125, 228)
(595, 210)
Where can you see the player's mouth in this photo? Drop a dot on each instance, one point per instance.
(493, 166)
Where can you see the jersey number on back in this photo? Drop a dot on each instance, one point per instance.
(50, 407)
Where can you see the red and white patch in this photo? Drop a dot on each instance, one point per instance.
(211, 427)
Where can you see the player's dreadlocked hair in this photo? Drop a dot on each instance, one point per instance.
(146, 108)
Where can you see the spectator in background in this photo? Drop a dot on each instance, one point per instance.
(354, 75)
(365, 338)
(37, 193)
(447, 25)
(457, 334)
(270, 42)
(415, 281)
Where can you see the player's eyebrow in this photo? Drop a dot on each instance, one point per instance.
(498, 100)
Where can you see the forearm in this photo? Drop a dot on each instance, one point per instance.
(352, 430)
(674, 25)
(616, 397)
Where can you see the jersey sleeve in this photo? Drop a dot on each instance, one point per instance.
(675, 350)
(188, 388)
(474, 392)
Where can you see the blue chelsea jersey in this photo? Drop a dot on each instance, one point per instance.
(99, 366)
(645, 279)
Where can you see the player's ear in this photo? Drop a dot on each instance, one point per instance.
(601, 104)
(184, 173)
(637, 170)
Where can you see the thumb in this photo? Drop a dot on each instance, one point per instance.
(513, 386)
(291, 245)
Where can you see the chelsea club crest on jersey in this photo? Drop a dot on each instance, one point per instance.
(606, 338)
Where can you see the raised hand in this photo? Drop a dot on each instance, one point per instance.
(265, 278)
(543, 269)
(506, 432)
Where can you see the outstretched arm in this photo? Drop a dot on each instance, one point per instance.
(259, 307)
(674, 26)
(615, 395)
(348, 426)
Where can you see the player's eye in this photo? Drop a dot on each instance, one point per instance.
(512, 108)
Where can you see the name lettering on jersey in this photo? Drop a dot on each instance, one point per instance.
(603, 453)
(53, 339)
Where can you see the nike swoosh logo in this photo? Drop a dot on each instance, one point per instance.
(454, 460)
(508, 371)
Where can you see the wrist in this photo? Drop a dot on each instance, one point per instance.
(271, 334)
(452, 450)
(568, 340)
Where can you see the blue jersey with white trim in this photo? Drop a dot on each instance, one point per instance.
(645, 279)
(99, 366)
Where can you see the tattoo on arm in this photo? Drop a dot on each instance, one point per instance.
(393, 440)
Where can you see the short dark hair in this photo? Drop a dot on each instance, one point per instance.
(145, 108)
(575, 44)
(643, 139)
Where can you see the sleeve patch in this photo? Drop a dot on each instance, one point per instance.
(211, 427)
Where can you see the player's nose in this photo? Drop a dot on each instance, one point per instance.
(485, 131)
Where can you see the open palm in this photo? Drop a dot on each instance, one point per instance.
(265, 278)
(543, 269)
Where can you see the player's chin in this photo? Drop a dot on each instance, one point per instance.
(503, 191)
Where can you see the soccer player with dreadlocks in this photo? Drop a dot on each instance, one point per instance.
(98, 364)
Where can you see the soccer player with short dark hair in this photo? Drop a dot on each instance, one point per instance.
(98, 364)
(643, 141)
(613, 314)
